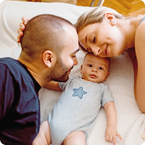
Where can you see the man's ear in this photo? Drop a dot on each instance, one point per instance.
(48, 58)
(110, 18)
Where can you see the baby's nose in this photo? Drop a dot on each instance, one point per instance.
(95, 69)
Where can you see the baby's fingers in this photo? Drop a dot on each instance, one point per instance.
(114, 140)
(109, 138)
(119, 136)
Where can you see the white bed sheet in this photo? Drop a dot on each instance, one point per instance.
(130, 119)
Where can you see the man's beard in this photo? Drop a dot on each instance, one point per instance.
(61, 71)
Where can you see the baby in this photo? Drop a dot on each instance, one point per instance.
(79, 104)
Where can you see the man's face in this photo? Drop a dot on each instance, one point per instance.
(67, 58)
(61, 71)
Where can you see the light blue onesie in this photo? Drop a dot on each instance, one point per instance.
(77, 107)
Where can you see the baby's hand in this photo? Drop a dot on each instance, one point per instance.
(111, 133)
(22, 28)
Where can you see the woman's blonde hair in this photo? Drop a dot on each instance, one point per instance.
(95, 15)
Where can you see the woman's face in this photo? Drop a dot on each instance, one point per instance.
(102, 39)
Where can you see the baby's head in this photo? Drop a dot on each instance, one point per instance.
(95, 68)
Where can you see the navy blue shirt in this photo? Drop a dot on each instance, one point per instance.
(19, 104)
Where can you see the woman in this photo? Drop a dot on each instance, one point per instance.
(107, 33)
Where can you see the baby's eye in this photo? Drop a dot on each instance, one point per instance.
(101, 68)
(90, 65)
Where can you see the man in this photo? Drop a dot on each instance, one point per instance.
(45, 56)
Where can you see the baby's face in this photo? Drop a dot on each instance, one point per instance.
(94, 68)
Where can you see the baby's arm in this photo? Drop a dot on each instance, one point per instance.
(53, 85)
(111, 131)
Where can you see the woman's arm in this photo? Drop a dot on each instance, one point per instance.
(53, 85)
(132, 55)
(111, 131)
(139, 83)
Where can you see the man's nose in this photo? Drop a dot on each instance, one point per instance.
(75, 61)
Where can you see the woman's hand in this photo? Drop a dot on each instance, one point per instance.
(22, 28)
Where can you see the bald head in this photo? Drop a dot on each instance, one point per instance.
(44, 32)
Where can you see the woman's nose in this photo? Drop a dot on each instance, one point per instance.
(96, 51)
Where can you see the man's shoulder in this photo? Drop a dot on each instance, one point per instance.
(6, 59)
(7, 62)
(13, 67)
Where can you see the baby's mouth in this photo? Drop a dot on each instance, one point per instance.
(93, 76)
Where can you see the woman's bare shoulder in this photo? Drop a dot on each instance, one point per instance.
(140, 32)
(141, 26)
(140, 42)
